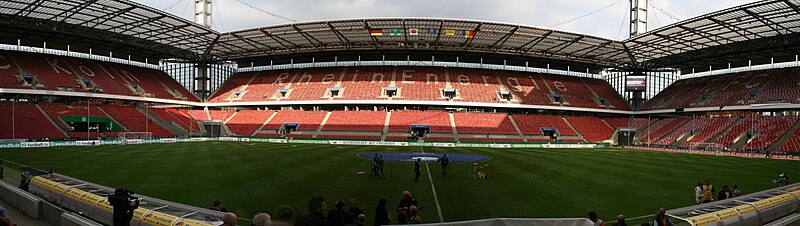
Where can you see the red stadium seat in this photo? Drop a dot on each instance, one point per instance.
(26, 121)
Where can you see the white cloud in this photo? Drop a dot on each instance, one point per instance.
(231, 15)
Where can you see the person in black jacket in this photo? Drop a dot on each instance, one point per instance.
(416, 169)
(316, 213)
(381, 214)
(725, 193)
(336, 215)
(444, 160)
(353, 212)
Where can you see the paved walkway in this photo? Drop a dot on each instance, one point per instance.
(17, 217)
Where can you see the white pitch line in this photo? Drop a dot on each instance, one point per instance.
(433, 188)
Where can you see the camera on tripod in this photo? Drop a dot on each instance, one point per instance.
(124, 204)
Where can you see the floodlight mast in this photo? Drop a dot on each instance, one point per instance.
(202, 12)
(638, 15)
(202, 16)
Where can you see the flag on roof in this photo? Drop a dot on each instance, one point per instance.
(413, 31)
(431, 31)
(449, 32)
(469, 33)
(395, 32)
(376, 32)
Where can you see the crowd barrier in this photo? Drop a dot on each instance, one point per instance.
(44, 144)
(760, 208)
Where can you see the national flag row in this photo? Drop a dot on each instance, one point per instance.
(422, 31)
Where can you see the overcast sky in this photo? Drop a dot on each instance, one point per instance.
(611, 22)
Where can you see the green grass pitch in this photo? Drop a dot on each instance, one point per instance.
(257, 177)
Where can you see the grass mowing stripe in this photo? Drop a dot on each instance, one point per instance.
(433, 188)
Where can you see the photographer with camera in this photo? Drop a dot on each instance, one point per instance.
(124, 203)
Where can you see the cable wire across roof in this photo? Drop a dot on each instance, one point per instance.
(420, 34)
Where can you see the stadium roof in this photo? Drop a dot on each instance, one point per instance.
(114, 25)
(420, 34)
(757, 31)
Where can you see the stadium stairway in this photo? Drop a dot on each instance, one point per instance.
(47, 116)
(573, 129)
(386, 125)
(723, 132)
(453, 125)
(321, 125)
(594, 94)
(165, 123)
(516, 127)
(230, 117)
(113, 119)
(785, 137)
(740, 141)
(265, 123)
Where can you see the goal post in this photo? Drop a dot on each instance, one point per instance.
(135, 135)
(709, 146)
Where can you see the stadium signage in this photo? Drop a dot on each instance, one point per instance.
(245, 139)
(10, 145)
(228, 139)
(500, 145)
(369, 143)
(569, 145)
(87, 142)
(133, 141)
(35, 144)
(277, 141)
(444, 145)
(199, 139)
(168, 140)
(62, 143)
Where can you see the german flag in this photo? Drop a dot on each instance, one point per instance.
(376, 32)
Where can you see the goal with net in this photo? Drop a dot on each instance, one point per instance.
(135, 136)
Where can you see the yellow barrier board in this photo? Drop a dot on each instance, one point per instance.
(151, 218)
(702, 220)
(745, 209)
(727, 214)
(156, 218)
(763, 204)
(74, 193)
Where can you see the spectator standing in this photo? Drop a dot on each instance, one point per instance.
(698, 193)
(262, 219)
(229, 219)
(402, 218)
(413, 215)
(380, 166)
(218, 206)
(708, 192)
(594, 218)
(621, 221)
(406, 202)
(783, 180)
(736, 191)
(353, 212)
(336, 215)
(444, 160)
(3, 212)
(361, 219)
(382, 214)
(24, 181)
(374, 165)
(417, 169)
(316, 213)
(725, 193)
(284, 216)
(661, 218)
